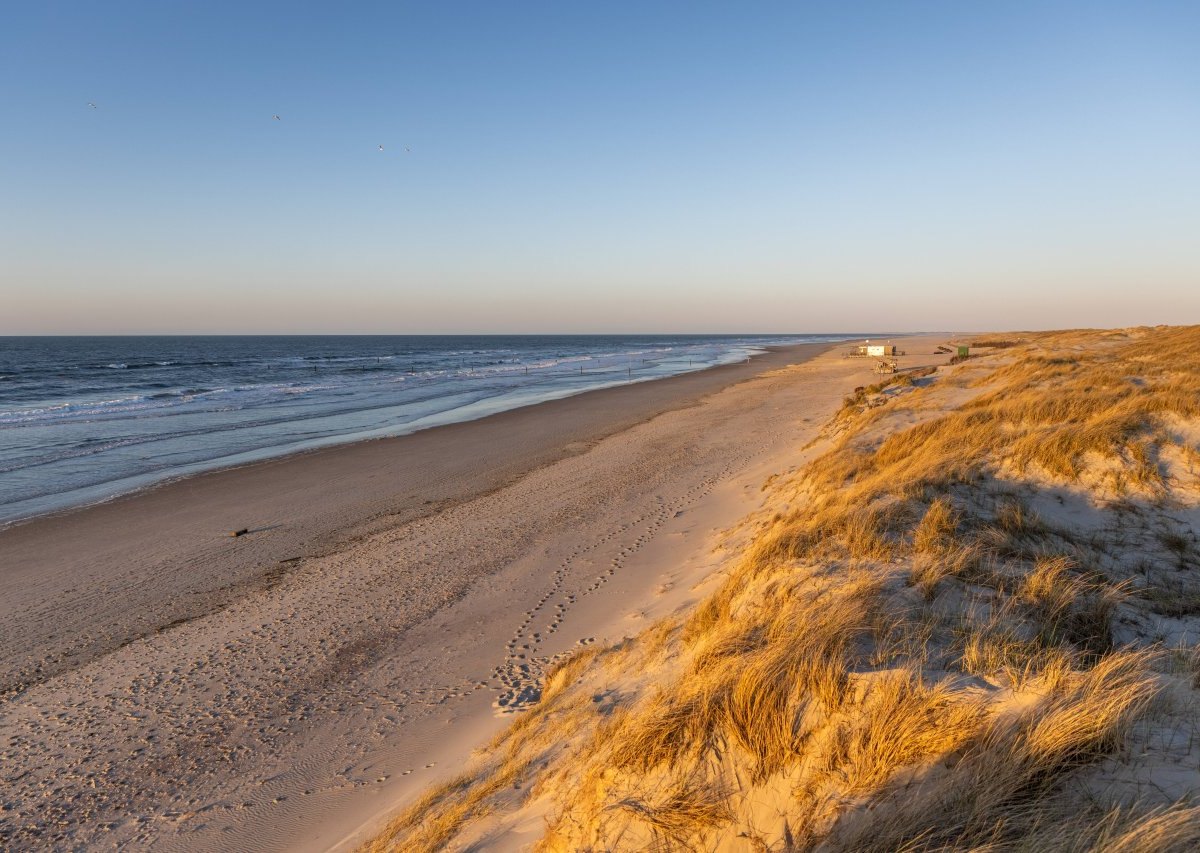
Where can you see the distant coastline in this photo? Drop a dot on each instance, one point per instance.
(124, 415)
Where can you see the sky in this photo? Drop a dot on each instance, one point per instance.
(597, 167)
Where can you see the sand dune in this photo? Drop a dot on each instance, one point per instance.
(963, 619)
(170, 687)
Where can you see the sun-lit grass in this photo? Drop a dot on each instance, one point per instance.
(434, 819)
(909, 656)
(680, 812)
(901, 721)
(987, 796)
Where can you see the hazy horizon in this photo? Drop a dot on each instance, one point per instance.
(562, 169)
(709, 333)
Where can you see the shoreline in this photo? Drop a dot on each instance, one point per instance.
(285, 689)
(304, 505)
(143, 483)
(508, 398)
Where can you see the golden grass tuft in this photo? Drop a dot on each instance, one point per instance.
(1069, 607)
(560, 677)
(902, 722)
(937, 532)
(986, 796)
(998, 648)
(968, 562)
(680, 813)
(1172, 829)
(430, 822)
(789, 661)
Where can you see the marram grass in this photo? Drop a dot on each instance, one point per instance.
(913, 657)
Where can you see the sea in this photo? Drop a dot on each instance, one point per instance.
(85, 419)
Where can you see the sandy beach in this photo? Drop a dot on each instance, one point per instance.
(489, 428)
(167, 686)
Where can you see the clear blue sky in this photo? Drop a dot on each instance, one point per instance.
(597, 167)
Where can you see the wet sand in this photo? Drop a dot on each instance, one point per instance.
(167, 686)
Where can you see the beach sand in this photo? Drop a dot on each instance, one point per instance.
(168, 686)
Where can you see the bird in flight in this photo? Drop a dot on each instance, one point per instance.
(380, 147)
(276, 118)
(90, 104)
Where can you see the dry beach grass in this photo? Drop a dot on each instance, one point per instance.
(968, 622)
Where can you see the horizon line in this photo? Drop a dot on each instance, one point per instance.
(446, 334)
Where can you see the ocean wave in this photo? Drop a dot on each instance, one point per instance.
(147, 364)
(366, 380)
(369, 368)
(132, 405)
(147, 404)
(87, 447)
(346, 358)
(143, 365)
(187, 393)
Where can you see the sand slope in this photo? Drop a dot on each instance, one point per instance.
(965, 620)
(170, 688)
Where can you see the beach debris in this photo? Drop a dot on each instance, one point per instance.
(241, 532)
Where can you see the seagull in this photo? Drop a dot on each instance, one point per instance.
(276, 118)
(380, 147)
(407, 150)
(90, 104)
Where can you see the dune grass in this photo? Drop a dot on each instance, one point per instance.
(910, 657)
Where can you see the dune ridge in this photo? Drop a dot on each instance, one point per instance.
(966, 621)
